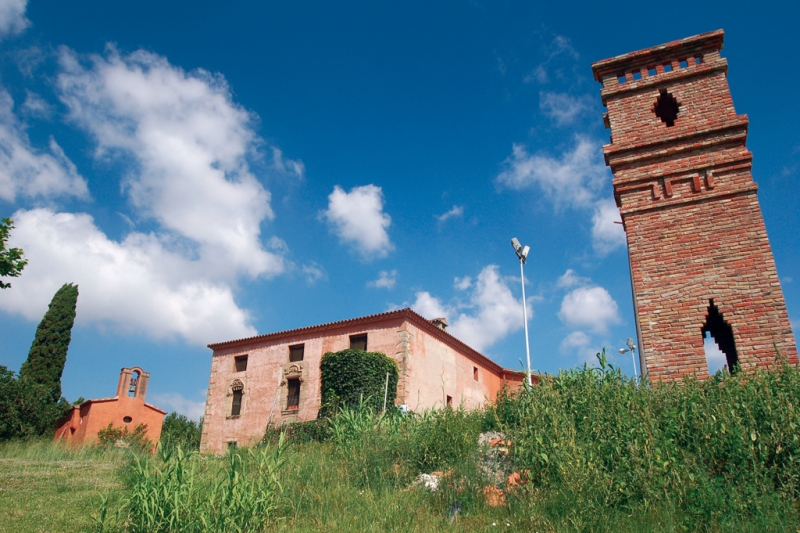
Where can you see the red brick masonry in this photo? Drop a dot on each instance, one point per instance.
(689, 207)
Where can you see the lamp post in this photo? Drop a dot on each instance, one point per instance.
(522, 253)
(631, 348)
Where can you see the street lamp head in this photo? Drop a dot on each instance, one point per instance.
(630, 344)
(622, 350)
(521, 252)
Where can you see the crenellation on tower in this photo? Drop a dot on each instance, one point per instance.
(696, 237)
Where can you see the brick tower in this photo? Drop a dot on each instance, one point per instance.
(700, 257)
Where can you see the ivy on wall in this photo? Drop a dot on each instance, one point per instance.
(349, 375)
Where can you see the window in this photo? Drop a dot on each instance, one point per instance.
(449, 401)
(240, 363)
(232, 445)
(475, 373)
(296, 353)
(358, 342)
(238, 390)
(127, 420)
(293, 396)
(236, 406)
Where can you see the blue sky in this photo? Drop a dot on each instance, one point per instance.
(206, 171)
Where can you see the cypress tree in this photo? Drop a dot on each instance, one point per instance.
(48, 354)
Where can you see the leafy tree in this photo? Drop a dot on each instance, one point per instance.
(48, 354)
(26, 409)
(11, 259)
(180, 431)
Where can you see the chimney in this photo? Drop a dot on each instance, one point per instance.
(440, 323)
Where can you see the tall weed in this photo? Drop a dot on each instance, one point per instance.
(705, 451)
(184, 492)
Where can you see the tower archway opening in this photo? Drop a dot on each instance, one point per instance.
(718, 341)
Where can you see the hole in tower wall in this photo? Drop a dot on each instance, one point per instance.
(718, 341)
(666, 108)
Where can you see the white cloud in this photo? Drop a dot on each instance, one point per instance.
(589, 307)
(313, 273)
(463, 284)
(288, 166)
(357, 218)
(36, 106)
(12, 17)
(573, 179)
(172, 401)
(135, 285)
(563, 108)
(577, 340)
(493, 312)
(386, 280)
(187, 148)
(607, 235)
(456, 211)
(190, 143)
(25, 171)
(570, 279)
(537, 74)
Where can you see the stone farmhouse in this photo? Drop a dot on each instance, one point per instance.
(127, 410)
(275, 378)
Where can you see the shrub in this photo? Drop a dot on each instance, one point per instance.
(120, 437)
(180, 431)
(350, 377)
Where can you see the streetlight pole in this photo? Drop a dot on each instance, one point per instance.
(522, 253)
(631, 348)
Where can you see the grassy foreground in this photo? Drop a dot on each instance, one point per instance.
(592, 450)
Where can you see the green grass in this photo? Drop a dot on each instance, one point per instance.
(602, 453)
(45, 487)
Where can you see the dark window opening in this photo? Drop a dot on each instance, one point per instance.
(358, 342)
(621, 79)
(698, 60)
(240, 363)
(668, 67)
(232, 445)
(127, 420)
(637, 75)
(296, 353)
(666, 108)
(236, 405)
(134, 384)
(721, 332)
(651, 71)
(449, 401)
(475, 373)
(293, 396)
(684, 63)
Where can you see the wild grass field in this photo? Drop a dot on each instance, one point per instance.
(592, 450)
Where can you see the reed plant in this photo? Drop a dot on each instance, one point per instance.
(185, 492)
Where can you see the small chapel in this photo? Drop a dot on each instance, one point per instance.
(127, 409)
